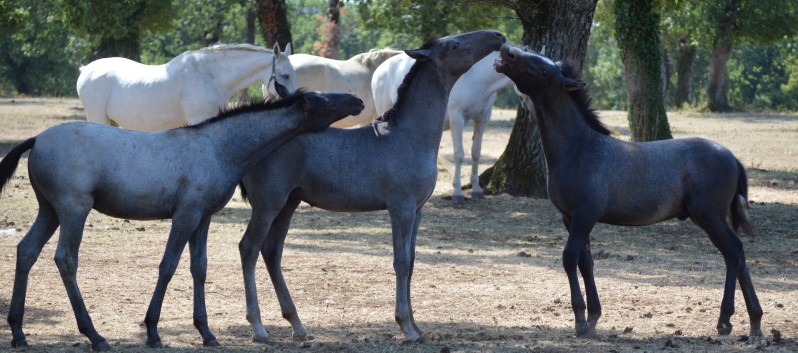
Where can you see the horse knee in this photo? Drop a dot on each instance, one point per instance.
(67, 265)
(199, 269)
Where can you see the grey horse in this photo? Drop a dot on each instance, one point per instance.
(593, 177)
(391, 165)
(186, 174)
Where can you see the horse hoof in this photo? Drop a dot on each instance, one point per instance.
(585, 330)
(19, 344)
(756, 332)
(458, 199)
(211, 343)
(301, 337)
(724, 329)
(416, 340)
(156, 344)
(101, 346)
(477, 195)
(260, 339)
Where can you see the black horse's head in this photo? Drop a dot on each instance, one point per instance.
(534, 73)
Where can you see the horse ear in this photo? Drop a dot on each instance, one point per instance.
(418, 54)
(276, 50)
(287, 51)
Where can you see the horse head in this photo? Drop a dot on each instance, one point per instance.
(282, 80)
(534, 73)
(320, 109)
(457, 53)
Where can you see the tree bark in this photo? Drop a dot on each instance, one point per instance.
(243, 95)
(330, 31)
(558, 29)
(637, 31)
(721, 48)
(274, 22)
(684, 73)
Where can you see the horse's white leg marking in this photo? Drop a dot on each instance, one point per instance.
(456, 123)
(476, 152)
(403, 220)
(272, 252)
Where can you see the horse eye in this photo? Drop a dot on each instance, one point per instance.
(285, 76)
(455, 45)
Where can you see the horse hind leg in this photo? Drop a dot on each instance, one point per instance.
(66, 258)
(457, 125)
(28, 251)
(476, 152)
(272, 251)
(731, 248)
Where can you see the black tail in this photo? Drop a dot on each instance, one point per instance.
(739, 204)
(244, 194)
(9, 164)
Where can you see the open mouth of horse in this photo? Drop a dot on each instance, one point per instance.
(498, 64)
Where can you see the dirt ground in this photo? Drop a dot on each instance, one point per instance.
(660, 285)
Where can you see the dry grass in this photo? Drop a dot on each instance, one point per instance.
(471, 292)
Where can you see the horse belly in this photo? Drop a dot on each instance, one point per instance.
(145, 109)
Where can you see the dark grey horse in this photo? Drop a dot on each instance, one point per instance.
(597, 178)
(391, 165)
(185, 174)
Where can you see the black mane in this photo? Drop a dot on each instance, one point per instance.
(391, 113)
(582, 99)
(253, 105)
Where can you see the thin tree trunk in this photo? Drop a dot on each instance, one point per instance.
(637, 31)
(243, 95)
(331, 41)
(274, 22)
(558, 29)
(684, 73)
(721, 48)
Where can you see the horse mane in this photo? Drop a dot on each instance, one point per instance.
(253, 105)
(241, 46)
(582, 99)
(390, 115)
(374, 57)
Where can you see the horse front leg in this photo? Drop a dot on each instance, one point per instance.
(198, 245)
(457, 124)
(593, 303)
(404, 224)
(579, 232)
(183, 226)
(28, 251)
(248, 248)
(66, 259)
(272, 251)
(476, 153)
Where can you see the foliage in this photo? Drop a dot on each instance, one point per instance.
(603, 70)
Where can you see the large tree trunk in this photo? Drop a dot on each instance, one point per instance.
(274, 22)
(558, 29)
(721, 48)
(637, 31)
(330, 31)
(684, 73)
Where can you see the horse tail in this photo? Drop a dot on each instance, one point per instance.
(9, 163)
(739, 204)
(244, 194)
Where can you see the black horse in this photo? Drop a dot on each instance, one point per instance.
(593, 177)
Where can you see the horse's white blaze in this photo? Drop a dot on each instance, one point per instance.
(188, 89)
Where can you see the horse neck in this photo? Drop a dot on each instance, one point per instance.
(483, 75)
(423, 109)
(235, 70)
(562, 126)
(246, 139)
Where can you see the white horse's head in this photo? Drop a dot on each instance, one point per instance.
(281, 81)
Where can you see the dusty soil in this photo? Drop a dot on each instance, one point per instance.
(660, 285)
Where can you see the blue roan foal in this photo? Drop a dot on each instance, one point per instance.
(594, 177)
(186, 174)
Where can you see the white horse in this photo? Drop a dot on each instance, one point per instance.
(471, 98)
(188, 89)
(349, 76)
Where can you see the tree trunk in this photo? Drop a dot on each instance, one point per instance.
(330, 31)
(243, 95)
(684, 73)
(558, 29)
(721, 48)
(637, 31)
(274, 22)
